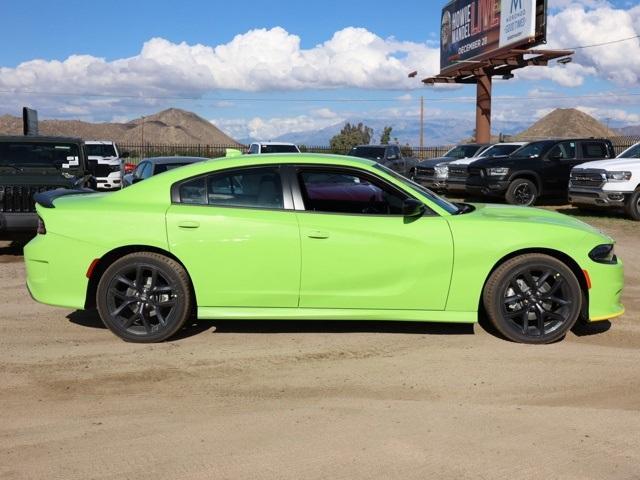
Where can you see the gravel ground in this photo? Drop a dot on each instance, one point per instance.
(307, 400)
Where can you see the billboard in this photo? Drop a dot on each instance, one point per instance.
(478, 29)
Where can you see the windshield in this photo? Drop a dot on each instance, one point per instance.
(533, 149)
(441, 202)
(279, 149)
(463, 151)
(633, 152)
(499, 150)
(100, 150)
(35, 154)
(372, 153)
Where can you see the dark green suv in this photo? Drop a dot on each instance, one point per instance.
(29, 165)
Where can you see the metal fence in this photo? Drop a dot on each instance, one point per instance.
(139, 151)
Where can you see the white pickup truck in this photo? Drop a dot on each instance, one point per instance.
(613, 183)
(106, 163)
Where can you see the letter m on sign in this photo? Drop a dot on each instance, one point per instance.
(516, 5)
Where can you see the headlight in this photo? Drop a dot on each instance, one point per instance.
(603, 254)
(442, 171)
(497, 171)
(618, 176)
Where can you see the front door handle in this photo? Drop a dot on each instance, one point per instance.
(188, 224)
(317, 234)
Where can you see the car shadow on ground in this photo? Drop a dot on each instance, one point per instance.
(12, 248)
(90, 319)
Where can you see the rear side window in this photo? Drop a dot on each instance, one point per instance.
(249, 187)
(594, 150)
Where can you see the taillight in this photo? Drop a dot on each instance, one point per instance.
(41, 228)
(129, 167)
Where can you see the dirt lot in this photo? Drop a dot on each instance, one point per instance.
(315, 400)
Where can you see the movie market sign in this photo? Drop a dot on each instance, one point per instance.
(474, 28)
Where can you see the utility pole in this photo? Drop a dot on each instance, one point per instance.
(421, 122)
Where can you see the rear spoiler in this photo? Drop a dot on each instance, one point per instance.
(47, 198)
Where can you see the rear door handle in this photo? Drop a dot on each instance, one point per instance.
(188, 224)
(317, 234)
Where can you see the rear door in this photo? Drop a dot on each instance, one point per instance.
(238, 236)
(359, 251)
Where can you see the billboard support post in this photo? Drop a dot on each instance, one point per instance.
(483, 108)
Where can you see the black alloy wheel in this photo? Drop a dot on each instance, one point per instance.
(522, 192)
(633, 205)
(533, 298)
(144, 297)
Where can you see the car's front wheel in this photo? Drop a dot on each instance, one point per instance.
(522, 192)
(144, 297)
(632, 206)
(533, 298)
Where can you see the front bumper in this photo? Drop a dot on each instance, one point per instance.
(432, 183)
(486, 186)
(607, 282)
(456, 186)
(597, 197)
(112, 182)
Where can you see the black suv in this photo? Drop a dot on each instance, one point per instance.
(29, 165)
(541, 168)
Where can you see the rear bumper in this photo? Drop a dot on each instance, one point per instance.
(597, 197)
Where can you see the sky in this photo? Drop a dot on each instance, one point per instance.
(264, 69)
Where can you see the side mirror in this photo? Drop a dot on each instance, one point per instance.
(413, 208)
(125, 155)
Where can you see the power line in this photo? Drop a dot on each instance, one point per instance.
(611, 42)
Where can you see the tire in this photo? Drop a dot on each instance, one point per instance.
(533, 298)
(144, 297)
(522, 192)
(632, 206)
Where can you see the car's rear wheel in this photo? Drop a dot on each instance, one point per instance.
(533, 298)
(144, 297)
(522, 192)
(632, 206)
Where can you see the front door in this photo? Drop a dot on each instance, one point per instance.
(359, 251)
(558, 164)
(236, 239)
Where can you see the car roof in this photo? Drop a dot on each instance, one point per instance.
(176, 159)
(38, 138)
(273, 143)
(99, 142)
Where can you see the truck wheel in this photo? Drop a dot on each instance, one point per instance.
(522, 192)
(632, 206)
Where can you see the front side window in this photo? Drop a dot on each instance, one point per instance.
(254, 148)
(249, 187)
(563, 151)
(463, 151)
(345, 191)
(147, 171)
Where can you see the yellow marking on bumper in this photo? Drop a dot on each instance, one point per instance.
(608, 317)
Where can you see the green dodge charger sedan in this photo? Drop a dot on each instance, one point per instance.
(295, 236)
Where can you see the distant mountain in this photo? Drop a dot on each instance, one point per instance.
(172, 126)
(566, 123)
(440, 131)
(630, 131)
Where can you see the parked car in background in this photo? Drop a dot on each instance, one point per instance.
(455, 173)
(273, 147)
(539, 169)
(426, 173)
(153, 166)
(106, 163)
(315, 237)
(29, 165)
(608, 183)
(388, 155)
